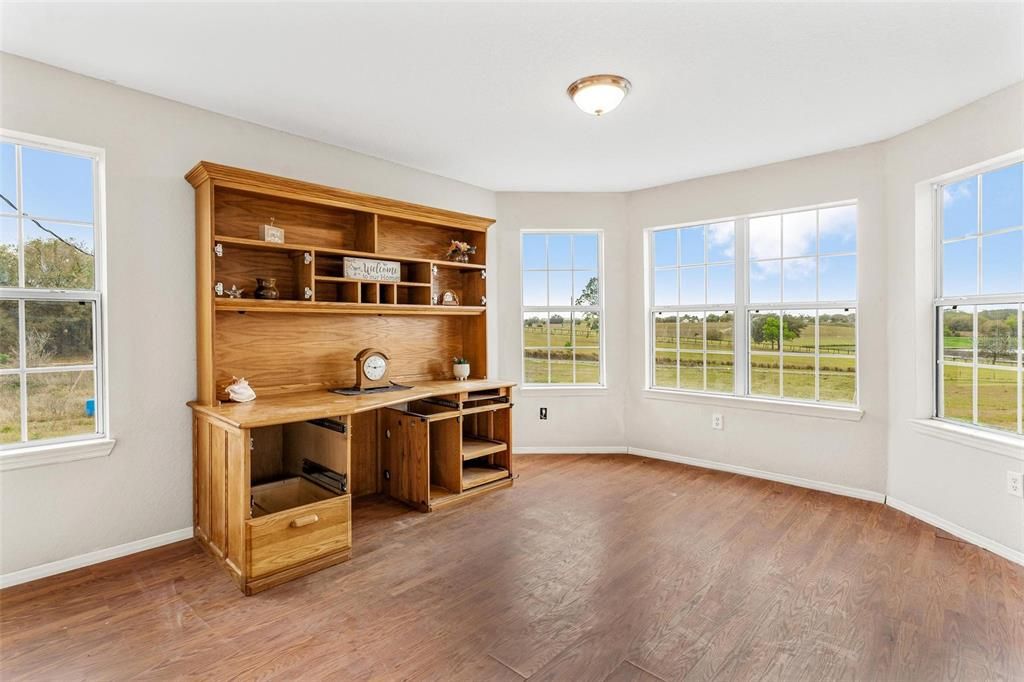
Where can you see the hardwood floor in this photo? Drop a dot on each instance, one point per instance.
(595, 567)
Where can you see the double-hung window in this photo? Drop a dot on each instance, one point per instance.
(50, 293)
(783, 325)
(978, 308)
(562, 308)
(694, 307)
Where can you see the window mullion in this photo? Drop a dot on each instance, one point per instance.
(741, 323)
(22, 378)
(974, 368)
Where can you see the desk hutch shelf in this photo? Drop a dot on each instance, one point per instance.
(276, 480)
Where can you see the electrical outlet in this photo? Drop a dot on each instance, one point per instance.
(543, 413)
(1015, 483)
(717, 422)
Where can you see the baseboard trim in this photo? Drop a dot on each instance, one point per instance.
(834, 488)
(90, 558)
(970, 536)
(572, 450)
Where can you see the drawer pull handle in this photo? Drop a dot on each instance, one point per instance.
(305, 520)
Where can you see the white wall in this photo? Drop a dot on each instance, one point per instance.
(963, 485)
(144, 488)
(842, 453)
(577, 418)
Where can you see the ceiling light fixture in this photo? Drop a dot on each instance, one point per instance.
(597, 95)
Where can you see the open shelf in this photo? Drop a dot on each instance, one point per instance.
(282, 306)
(473, 476)
(473, 448)
(440, 494)
(288, 246)
(325, 278)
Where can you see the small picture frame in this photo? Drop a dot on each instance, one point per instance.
(269, 233)
(449, 297)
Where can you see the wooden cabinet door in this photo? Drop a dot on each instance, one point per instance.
(405, 457)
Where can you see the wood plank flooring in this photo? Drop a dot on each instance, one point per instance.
(593, 567)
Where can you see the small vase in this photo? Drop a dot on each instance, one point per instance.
(266, 287)
(461, 372)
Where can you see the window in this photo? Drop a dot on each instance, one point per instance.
(50, 294)
(980, 295)
(562, 308)
(790, 314)
(694, 297)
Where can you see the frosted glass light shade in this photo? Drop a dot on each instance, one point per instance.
(597, 95)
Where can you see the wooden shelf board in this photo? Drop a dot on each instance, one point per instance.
(475, 476)
(439, 494)
(325, 278)
(469, 494)
(477, 447)
(279, 306)
(258, 244)
(489, 407)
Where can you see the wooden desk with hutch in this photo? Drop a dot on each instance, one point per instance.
(258, 507)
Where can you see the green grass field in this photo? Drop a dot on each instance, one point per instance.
(838, 339)
(795, 379)
(56, 406)
(997, 396)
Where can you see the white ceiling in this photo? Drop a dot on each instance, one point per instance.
(476, 92)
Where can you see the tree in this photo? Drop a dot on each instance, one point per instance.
(997, 340)
(557, 319)
(766, 330)
(589, 296)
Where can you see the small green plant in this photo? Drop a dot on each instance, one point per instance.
(460, 361)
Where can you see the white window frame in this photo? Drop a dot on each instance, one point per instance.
(28, 453)
(741, 396)
(980, 299)
(690, 308)
(547, 309)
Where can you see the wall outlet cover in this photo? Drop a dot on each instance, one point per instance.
(543, 413)
(717, 422)
(1015, 483)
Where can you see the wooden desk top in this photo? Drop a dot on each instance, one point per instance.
(296, 407)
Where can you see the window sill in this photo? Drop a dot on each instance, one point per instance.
(564, 390)
(852, 414)
(1006, 445)
(55, 453)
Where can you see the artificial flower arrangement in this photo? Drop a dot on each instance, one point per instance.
(460, 251)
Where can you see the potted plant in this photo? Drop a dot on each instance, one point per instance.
(460, 251)
(460, 367)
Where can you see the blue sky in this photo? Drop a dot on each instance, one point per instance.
(571, 261)
(1002, 255)
(55, 186)
(799, 237)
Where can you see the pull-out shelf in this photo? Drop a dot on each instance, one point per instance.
(473, 448)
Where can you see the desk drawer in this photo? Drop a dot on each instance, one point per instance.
(294, 536)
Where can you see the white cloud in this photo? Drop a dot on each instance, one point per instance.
(961, 190)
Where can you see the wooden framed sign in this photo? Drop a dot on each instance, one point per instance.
(371, 269)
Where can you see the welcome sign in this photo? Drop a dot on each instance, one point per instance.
(375, 270)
